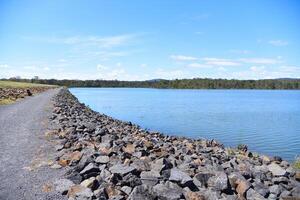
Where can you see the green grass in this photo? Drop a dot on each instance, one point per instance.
(13, 84)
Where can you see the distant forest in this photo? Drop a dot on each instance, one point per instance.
(196, 83)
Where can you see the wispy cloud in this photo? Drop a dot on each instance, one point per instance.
(260, 60)
(100, 41)
(199, 65)
(182, 58)
(171, 74)
(278, 42)
(289, 68)
(239, 51)
(4, 66)
(220, 62)
(30, 67)
(257, 68)
(199, 32)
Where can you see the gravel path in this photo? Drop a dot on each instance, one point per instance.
(24, 150)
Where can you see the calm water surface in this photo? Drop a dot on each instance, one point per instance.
(268, 121)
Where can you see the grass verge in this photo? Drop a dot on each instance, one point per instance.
(6, 101)
(13, 84)
(296, 164)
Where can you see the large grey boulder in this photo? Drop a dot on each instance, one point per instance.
(179, 176)
(219, 181)
(142, 192)
(121, 169)
(169, 190)
(276, 170)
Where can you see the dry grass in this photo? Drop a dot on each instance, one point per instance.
(13, 84)
(5, 101)
(296, 164)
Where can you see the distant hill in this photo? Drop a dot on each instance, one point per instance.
(196, 83)
(155, 80)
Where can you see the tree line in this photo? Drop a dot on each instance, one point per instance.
(196, 83)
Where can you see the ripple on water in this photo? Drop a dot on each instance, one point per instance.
(266, 120)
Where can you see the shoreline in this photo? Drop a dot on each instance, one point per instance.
(110, 158)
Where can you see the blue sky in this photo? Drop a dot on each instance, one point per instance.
(140, 40)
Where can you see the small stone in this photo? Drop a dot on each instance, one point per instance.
(179, 176)
(242, 187)
(75, 156)
(297, 175)
(252, 194)
(276, 170)
(219, 181)
(126, 189)
(121, 169)
(118, 197)
(200, 179)
(142, 192)
(131, 180)
(62, 185)
(102, 159)
(281, 179)
(194, 196)
(59, 147)
(90, 168)
(285, 194)
(80, 192)
(169, 190)
(150, 178)
(130, 148)
(63, 162)
(55, 166)
(141, 165)
(89, 183)
(111, 191)
(100, 194)
(275, 189)
(161, 164)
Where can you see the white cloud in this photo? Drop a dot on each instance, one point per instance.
(222, 69)
(62, 60)
(100, 41)
(289, 68)
(238, 51)
(199, 65)
(182, 58)
(278, 42)
(171, 74)
(118, 64)
(46, 68)
(220, 62)
(30, 67)
(103, 55)
(199, 33)
(257, 68)
(260, 60)
(4, 66)
(143, 65)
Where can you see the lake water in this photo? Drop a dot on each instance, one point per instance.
(268, 121)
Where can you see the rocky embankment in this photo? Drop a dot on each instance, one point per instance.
(111, 159)
(17, 93)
